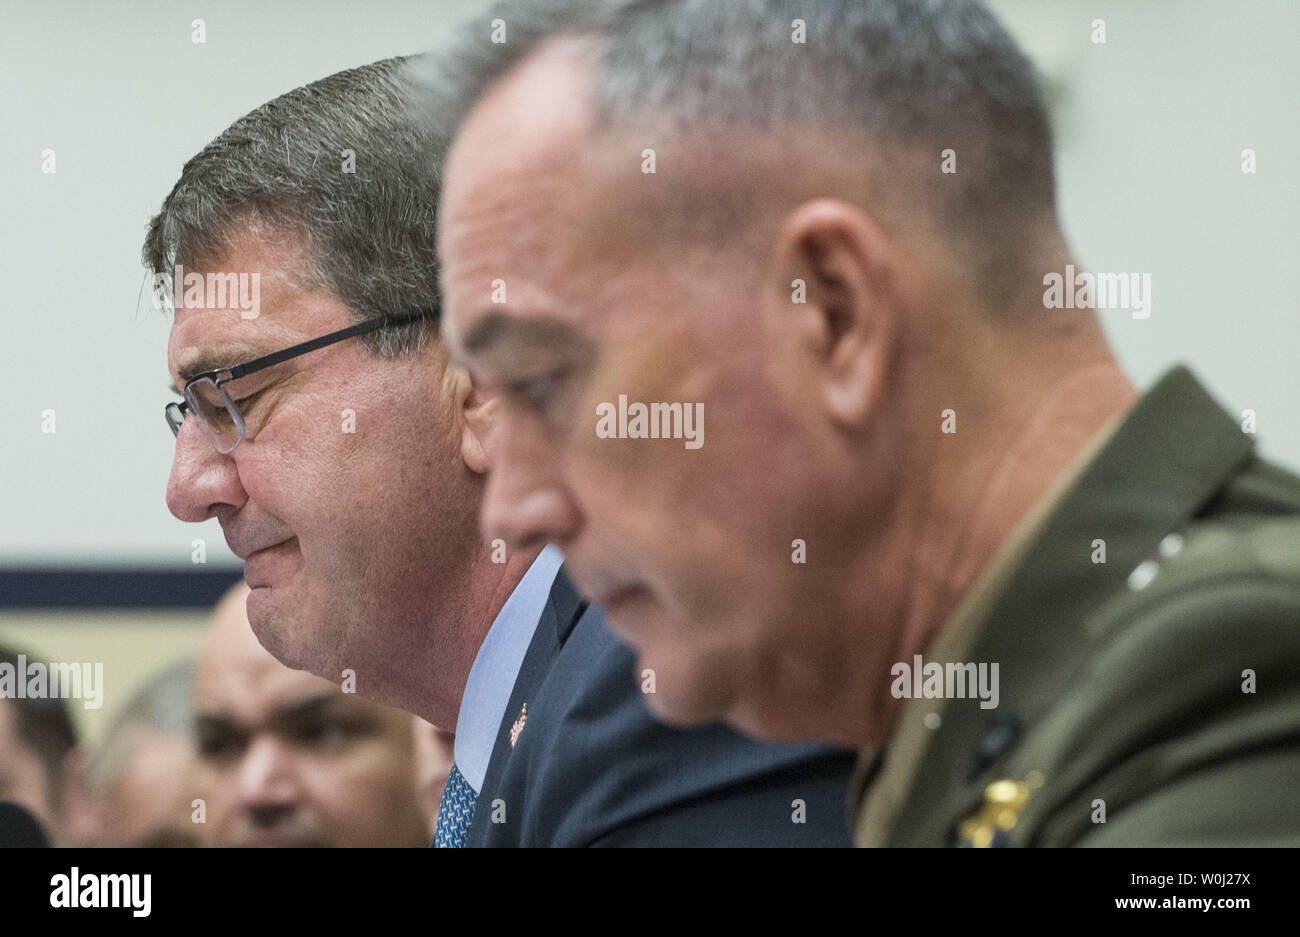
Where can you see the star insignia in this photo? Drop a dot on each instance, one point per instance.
(1003, 803)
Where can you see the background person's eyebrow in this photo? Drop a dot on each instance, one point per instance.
(496, 328)
(287, 711)
(307, 706)
(213, 720)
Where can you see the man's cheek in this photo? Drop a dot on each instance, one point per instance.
(353, 780)
(303, 437)
(628, 481)
(270, 477)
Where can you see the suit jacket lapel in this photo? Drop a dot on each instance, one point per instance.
(564, 607)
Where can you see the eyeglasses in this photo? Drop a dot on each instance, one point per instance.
(205, 394)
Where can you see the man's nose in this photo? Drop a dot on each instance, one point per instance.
(201, 478)
(527, 503)
(268, 783)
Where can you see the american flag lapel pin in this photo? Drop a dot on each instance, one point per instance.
(518, 726)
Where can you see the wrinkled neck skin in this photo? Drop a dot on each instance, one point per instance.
(972, 498)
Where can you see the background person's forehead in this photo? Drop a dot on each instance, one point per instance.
(254, 698)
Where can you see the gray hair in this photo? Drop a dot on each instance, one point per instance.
(368, 235)
(164, 705)
(912, 77)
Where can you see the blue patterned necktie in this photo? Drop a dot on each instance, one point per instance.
(455, 811)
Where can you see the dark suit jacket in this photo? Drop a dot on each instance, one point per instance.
(592, 767)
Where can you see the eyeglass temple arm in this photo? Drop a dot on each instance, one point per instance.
(294, 351)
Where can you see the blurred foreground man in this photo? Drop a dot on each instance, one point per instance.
(345, 461)
(291, 759)
(930, 515)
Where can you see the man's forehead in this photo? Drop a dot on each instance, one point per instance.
(207, 340)
(513, 172)
(500, 251)
(518, 272)
(196, 348)
(541, 106)
(211, 329)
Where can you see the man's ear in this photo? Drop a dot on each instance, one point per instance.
(836, 268)
(478, 418)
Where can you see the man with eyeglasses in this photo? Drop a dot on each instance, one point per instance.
(206, 395)
(345, 460)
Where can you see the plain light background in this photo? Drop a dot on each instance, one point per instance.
(1150, 130)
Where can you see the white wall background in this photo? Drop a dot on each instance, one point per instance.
(1150, 130)
(124, 97)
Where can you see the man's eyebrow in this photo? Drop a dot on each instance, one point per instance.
(496, 328)
(215, 359)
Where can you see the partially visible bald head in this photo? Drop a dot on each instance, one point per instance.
(234, 663)
(293, 759)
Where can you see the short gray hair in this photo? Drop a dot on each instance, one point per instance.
(914, 77)
(368, 235)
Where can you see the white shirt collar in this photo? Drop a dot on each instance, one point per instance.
(496, 666)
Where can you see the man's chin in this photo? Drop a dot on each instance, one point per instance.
(261, 607)
(708, 707)
(672, 711)
(760, 725)
(628, 613)
(683, 697)
(273, 625)
(256, 605)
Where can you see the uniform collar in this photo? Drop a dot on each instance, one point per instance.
(1166, 460)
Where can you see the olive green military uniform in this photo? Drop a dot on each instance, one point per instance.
(1150, 699)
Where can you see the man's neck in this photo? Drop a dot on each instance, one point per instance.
(487, 586)
(1008, 456)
